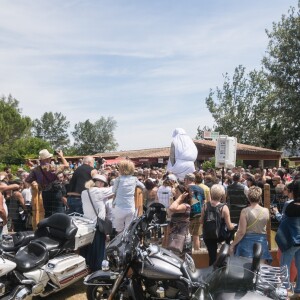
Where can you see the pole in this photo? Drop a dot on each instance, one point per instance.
(222, 175)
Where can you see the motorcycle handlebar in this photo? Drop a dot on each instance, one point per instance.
(144, 256)
(157, 226)
(6, 254)
(149, 261)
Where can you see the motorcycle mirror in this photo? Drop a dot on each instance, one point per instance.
(157, 210)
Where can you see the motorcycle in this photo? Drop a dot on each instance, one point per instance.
(48, 263)
(136, 269)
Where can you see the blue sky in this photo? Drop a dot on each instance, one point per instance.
(148, 64)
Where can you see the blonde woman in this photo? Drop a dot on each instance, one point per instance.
(214, 205)
(124, 189)
(252, 227)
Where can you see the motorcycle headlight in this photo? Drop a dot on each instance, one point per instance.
(105, 265)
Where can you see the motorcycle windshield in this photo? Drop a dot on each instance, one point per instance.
(238, 282)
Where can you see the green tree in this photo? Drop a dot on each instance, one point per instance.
(12, 124)
(23, 149)
(242, 108)
(209, 164)
(92, 138)
(53, 129)
(282, 63)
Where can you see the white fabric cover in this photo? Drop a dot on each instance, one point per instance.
(185, 154)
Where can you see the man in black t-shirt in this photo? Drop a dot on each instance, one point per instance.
(81, 175)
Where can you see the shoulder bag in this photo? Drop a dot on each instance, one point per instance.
(104, 226)
(225, 234)
(177, 237)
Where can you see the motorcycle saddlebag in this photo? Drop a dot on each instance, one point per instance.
(85, 233)
(66, 269)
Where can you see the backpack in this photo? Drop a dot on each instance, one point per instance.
(212, 221)
(196, 205)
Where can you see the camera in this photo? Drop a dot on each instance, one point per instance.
(57, 150)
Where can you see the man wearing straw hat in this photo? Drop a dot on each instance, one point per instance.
(44, 176)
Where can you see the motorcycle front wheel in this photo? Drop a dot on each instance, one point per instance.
(98, 292)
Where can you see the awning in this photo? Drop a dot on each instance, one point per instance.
(113, 161)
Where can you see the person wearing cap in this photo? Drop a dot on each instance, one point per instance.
(198, 198)
(97, 192)
(183, 154)
(45, 175)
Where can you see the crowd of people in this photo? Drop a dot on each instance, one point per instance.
(94, 189)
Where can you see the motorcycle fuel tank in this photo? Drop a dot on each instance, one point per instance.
(161, 265)
(159, 270)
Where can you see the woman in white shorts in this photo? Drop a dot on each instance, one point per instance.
(124, 189)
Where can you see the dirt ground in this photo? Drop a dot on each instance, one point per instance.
(75, 291)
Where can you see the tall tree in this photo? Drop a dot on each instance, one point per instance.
(282, 62)
(12, 124)
(92, 138)
(53, 129)
(242, 107)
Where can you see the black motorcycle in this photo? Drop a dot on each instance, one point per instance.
(137, 270)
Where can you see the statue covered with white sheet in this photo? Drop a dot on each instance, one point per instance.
(183, 154)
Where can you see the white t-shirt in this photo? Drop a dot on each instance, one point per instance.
(26, 193)
(99, 197)
(164, 194)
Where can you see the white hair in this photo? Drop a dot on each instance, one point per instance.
(88, 159)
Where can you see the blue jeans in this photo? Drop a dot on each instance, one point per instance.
(286, 259)
(75, 205)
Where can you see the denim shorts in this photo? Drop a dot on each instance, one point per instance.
(245, 246)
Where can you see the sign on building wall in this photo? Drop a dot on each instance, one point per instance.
(226, 152)
(211, 135)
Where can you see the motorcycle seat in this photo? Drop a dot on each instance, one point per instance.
(31, 257)
(238, 272)
(18, 240)
(56, 233)
(58, 225)
(52, 245)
